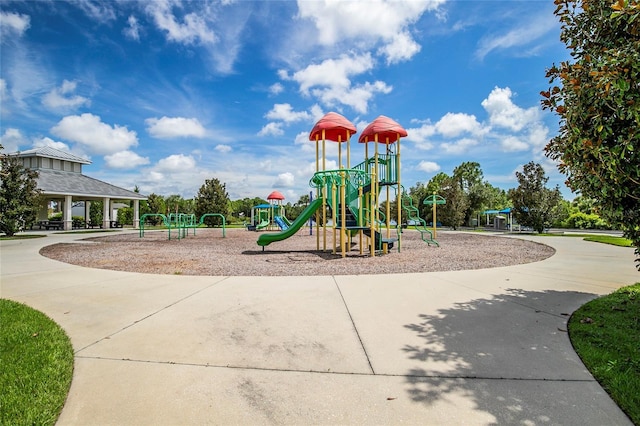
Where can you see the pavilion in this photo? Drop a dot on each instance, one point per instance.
(60, 179)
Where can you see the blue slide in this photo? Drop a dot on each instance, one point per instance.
(281, 223)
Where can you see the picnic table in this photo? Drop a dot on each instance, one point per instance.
(49, 224)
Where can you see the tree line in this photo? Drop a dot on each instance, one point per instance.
(466, 191)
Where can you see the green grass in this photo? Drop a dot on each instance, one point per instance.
(606, 335)
(609, 239)
(597, 238)
(36, 359)
(21, 236)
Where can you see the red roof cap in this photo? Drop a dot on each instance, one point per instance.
(388, 131)
(275, 195)
(336, 128)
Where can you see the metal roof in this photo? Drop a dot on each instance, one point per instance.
(57, 182)
(49, 152)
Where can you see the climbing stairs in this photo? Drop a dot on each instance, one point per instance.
(413, 216)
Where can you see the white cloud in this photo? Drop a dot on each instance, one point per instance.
(452, 125)
(525, 33)
(421, 135)
(276, 89)
(401, 48)
(176, 163)
(368, 22)
(459, 147)
(3, 88)
(223, 148)
(331, 81)
(271, 129)
(125, 160)
(62, 97)
(428, 166)
(192, 29)
(13, 24)
(100, 11)
(89, 130)
(132, 31)
(333, 72)
(46, 141)
(174, 127)
(513, 144)
(12, 139)
(504, 113)
(357, 97)
(538, 136)
(284, 180)
(284, 112)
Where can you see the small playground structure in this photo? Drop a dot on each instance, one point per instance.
(271, 216)
(355, 201)
(181, 223)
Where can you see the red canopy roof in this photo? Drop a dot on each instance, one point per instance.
(336, 128)
(385, 128)
(275, 195)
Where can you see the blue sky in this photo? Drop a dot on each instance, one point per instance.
(166, 94)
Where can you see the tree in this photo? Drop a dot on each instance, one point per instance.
(596, 96)
(420, 192)
(125, 215)
(453, 212)
(469, 176)
(533, 202)
(212, 198)
(155, 205)
(96, 212)
(19, 195)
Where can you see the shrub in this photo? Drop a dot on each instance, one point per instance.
(581, 220)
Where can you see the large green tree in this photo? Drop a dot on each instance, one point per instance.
(533, 203)
(453, 212)
(212, 198)
(469, 176)
(596, 96)
(19, 195)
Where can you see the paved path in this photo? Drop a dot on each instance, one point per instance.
(467, 347)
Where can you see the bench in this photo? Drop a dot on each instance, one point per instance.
(54, 224)
(115, 224)
(94, 225)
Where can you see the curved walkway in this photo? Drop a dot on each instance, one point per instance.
(466, 347)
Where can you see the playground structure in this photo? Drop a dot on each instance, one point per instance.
(351, 196)
(270, 216)
(181, 223)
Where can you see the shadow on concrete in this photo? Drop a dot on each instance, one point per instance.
(510, 354)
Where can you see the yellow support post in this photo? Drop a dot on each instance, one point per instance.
(318, 192)
(399, 195)
(343, 214)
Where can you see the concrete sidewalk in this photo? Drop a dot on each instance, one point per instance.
(467, 347)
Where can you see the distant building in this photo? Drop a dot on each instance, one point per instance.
(61, 181)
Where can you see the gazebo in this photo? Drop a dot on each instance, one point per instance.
(60, 179)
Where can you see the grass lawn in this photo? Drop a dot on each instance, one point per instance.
(609, 239)
(37, 366)
(21, 236)
(606, 335)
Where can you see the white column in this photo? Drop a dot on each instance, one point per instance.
(87, 212)
(136, 213)
(106, 212)
(68, 212)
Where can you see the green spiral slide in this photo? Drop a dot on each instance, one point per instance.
(266, 239)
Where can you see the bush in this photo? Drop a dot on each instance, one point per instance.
(581, 220)
(125, 215)
(56, 216)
